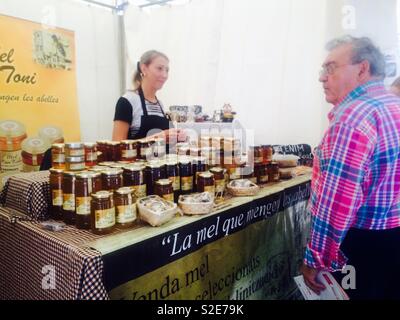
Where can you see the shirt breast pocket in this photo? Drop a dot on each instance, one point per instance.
(321, 158)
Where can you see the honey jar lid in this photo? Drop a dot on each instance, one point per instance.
(106, 163)
(70, 173)
(206, 174)
(97, 168)
(128, 141)
(154, 164)
(90, 144)
(102, 141)
(134, 167)
(102, 194)
(11, 129)
(74, 145)
(60, 146)
(75, 159)
(124, 190)
(117, 165)
(87, 175)
(56, 170)
(217, 169)
(34, 145)
(163, 182)
(112, 171)
(51, 134)
(113, 143)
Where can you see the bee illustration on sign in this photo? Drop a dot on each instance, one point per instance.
(51, 50)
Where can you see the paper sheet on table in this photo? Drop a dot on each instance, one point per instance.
(333, 290)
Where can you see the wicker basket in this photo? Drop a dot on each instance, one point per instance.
(243, 191)
(196, 207)
(156, 218)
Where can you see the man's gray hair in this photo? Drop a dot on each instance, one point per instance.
(363, 49)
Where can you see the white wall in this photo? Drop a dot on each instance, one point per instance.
(98, 74)
(260, 56)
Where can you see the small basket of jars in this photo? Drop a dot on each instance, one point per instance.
(242, 187)
(196, 203)
(156, 210)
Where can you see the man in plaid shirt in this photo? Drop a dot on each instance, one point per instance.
(355, 199)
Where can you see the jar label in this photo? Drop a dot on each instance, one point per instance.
(187, 183)
(264, 179)
(139, 191)
(104, 218)
(69, 201)
(58, 157)
(210, 189)
(276, 177)
(219, 186)
(83, 205)
(10, 161)
(129, 154)
(76, 166)
(126, 213)
(176, 183)
(91, 156)
(34, 160)
(57, 198)
(258, 159)
(29, 168)
(253, 179)
(76, 152)
(169, 197)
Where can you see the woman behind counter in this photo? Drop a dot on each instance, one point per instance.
(139, 113)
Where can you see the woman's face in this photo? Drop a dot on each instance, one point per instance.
(156, 73)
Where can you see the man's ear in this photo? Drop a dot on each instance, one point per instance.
(364, 71)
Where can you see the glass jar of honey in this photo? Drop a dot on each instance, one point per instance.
(12, 133)
(51, 134)
(102, 212)
(114, 150)
(125, 207)
(75, 163)
(68, 190)
(58, 156)
(86, 183)
(33, 150)
(133, 177)
(219, 177)
(199, 164)
(152, 174)
(90, 154)
(74, 149)
(111, 179)
(102, 154)
(206, 182)
(145, 149)
(186, 173)
(267, 153)
(273, 171)
(128, 150)
(163, 188)
(56, 193)
(255, 155)
(262, 173)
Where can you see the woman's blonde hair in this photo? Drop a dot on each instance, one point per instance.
(146, 59)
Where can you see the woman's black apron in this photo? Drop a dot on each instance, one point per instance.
(150, 122)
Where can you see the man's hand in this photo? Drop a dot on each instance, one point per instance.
(310, 278)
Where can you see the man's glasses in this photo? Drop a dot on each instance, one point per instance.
(329, 69)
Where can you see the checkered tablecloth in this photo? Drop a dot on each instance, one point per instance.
(30, 256)
(29, 193)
